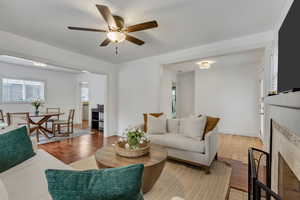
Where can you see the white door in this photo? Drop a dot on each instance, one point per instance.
(262, 108)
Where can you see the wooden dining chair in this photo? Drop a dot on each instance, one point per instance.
(52, 119)
(1, 116)
(69, 124)
(18, 119)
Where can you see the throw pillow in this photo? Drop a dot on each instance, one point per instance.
(157, 125)
(211, 123)
(193, 127)
(15, 147)
(107, 184)
(146, 119)
(173, 125)
(3, 192)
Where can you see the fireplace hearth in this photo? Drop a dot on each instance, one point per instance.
(288, 183)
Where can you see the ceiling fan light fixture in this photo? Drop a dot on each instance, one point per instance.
(116, 36)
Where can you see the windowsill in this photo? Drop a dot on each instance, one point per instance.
(17, 102)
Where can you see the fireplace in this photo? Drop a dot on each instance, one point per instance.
(288, 183)
(285, 150)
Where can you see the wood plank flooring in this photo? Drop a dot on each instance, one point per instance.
(232, 149)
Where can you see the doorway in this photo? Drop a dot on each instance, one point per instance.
(93, 91)
(85, 106)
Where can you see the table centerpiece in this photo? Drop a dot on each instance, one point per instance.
(134, 143)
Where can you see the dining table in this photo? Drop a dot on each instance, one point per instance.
(41, 119)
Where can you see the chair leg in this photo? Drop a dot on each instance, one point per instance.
(216, 157)
(207, 170)
(68, 129)
(59, 129)
(53, 130)
(37, 136)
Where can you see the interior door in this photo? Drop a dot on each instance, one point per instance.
(262, 108)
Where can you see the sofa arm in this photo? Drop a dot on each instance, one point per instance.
(211, 144)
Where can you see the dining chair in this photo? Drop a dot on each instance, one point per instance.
(18, 119)
(69, 124)
(52, 119)
(1, 116)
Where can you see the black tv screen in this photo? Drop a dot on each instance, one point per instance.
(289, 50)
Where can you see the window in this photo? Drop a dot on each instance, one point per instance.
(84, 92)
(14, 90)
(174, 100)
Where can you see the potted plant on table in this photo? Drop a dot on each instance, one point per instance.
(37, 104)
(134, 143)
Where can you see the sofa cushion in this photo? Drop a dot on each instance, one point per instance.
(27, 180)
(157, 125)
(15, 148)
(109, 184)
(178, 141)
(173, 125)
(3, 192)
(146, 118)
(193, 127)
(211, 123)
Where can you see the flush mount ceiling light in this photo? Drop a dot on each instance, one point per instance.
(39, 64)
(206, 64)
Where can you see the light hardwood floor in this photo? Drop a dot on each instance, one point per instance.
(236, 147)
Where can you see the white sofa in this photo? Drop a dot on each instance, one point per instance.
(196, 152)
(27, 181)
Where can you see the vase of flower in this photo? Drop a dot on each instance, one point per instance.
(134, 143)
(37, 104)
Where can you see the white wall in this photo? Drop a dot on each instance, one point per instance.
(139, 81)
(185, 105)
(60, 88)
(139, 92)
(14, 45)
(231, 93)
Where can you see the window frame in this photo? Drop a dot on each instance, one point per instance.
(21, 79)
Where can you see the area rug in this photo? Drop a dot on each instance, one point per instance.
(183, 181)
(44, 140)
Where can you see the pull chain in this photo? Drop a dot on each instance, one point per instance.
(117, 52)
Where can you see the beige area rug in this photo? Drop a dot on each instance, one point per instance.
(180, 180)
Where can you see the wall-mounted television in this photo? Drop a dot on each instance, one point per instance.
(289, 50)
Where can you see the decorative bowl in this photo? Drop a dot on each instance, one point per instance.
(121, 150)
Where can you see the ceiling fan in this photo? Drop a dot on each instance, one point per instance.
(117, 31)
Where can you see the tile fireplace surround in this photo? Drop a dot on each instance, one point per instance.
(284, 110)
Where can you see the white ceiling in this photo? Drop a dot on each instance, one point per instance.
(242, 58)
(182, 23)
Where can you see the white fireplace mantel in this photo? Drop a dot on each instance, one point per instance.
(290, 100)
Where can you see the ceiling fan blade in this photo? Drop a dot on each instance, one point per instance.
(105, 42)
(142, 26)
(85, 29)
(108, 17)
(134, 40)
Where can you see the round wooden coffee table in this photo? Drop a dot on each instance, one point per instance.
(154, 163)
